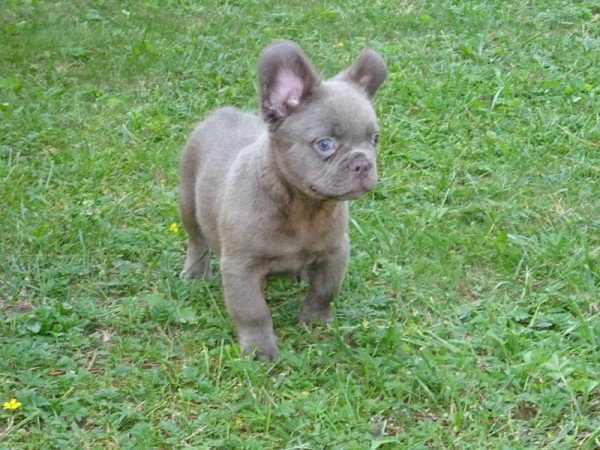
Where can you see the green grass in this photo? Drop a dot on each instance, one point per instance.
(470, 314)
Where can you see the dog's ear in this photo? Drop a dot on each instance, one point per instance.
(286, 79)
(368, 71)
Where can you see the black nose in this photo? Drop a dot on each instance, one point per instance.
(360, 167)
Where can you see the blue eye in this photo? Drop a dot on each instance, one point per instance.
(325, 145)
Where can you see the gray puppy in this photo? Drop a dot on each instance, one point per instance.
(270, 195)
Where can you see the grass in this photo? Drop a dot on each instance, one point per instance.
(470, 314)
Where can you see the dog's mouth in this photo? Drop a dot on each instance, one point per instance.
(348, 195)
(347, 191)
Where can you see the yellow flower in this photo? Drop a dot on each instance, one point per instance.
(340, 44)
(174, 228)
(13, 404)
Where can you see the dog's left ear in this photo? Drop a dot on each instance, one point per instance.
(368, 72)
(286, 79)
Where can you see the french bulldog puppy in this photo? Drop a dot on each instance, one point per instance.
(270, 195)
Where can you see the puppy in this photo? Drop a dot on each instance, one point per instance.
(270, 196)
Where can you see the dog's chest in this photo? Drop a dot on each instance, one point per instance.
(297, 244)
(293, 255)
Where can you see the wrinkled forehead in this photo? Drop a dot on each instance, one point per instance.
(348, 107)
(337, 109)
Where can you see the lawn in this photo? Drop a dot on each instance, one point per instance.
(470, 314)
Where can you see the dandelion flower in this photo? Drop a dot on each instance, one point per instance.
(174, 228)
(13, 404)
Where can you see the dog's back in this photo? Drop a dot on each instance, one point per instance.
(218, 138)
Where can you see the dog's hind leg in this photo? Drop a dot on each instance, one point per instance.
(197, 261)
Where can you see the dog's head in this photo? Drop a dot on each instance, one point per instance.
(325, 132)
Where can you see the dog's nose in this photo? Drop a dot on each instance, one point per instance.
(360, 167)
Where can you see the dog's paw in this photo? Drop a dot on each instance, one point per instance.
(298, 277)
(262, 349)
(196, 273)
(310, 315)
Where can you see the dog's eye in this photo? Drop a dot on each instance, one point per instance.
(375, 140)
(325, 145)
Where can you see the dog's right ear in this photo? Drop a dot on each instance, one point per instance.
(286, 78)
(368, 72)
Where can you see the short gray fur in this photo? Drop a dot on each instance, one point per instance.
(270, 195)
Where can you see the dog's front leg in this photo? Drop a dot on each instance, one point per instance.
(244, 295)
(325, 277)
